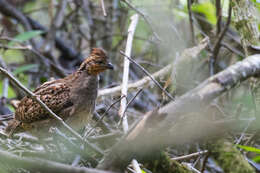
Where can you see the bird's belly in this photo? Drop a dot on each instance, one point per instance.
(80, 119)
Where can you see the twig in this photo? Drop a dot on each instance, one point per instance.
(138, 92)
(148, 74)
(103, 7)
(204, 163)
(219, 16)
(189, 156)
(144, 17)
(212, 62)
(131, 30)
(103, 115)
(191, 22)
(50, 112)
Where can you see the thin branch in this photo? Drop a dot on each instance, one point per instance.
(191, 22)
(50, 112)
(138, 92)
(219, 16)
(149, 75)
(129, 43)
(217, 46)
(189, 156)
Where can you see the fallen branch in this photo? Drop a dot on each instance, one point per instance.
(40, 165)
(147, 138)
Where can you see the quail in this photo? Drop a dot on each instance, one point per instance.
(72, 98)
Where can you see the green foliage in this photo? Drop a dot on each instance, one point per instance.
(208, 9)
(24, 68)
(251, 149)
(25, 36)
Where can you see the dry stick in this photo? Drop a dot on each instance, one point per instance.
(189, 156)
(103, 7)
(50, 112)
(129, 42)
(212, 62)
(191, 22)
(144, 17)
(138, 92)
(103, 115)
(148, 74)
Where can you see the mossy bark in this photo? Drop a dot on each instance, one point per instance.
(163, 164)
(229, 158)
(246, 22)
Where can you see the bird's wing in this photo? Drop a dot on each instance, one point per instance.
(55, 94)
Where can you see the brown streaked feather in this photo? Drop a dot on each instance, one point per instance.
(55, 95)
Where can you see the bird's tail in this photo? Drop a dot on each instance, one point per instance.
(12, 127)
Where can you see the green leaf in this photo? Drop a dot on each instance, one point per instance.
(24, 68)
(143, 171)
(256, 159)
(25, 36)
(208, 9)
(250, 149)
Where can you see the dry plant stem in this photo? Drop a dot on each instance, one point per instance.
(40, 165)
(191, 22)
(138, 92)
(189, 156)
(144, 17)
(217, 46)
(129, 43)
(50, 112)
(149, 75)
(103, 7)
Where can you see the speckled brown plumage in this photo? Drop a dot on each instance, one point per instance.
(72, 98)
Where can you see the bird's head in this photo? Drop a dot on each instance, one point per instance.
(96, 63)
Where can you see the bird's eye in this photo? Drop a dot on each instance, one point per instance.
(100, 62)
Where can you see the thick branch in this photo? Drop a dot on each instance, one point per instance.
(40, 165)
(173, 130)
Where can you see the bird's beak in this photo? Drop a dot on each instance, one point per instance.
(110, 66)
